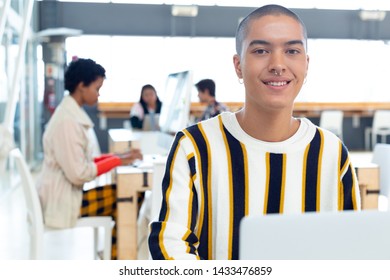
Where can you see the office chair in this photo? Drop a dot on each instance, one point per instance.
(35, 216)
(332, 120)
(380, 127)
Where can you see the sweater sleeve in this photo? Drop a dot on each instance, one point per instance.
(106, 164)
(349, 185)
(173, 235)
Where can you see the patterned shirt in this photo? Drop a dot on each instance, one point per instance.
(213, 110)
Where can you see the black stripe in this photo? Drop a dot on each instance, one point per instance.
(154, 245)
(191, 163)
(238, 178)
(312, 173)
(167, 178)
(347, 189)
(194, 208)
(200, 142)
(347, 180)
(344, 155)
(275, 183)
(192, 239)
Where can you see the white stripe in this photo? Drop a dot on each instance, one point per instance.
(329, 172)
(257, 165)
(293, 189)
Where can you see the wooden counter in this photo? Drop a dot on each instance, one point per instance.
(308, 109)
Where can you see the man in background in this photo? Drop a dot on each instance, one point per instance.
(206, 94)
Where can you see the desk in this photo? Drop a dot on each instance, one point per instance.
(130, 182)
(150, 142)
(368, 177)
(122, 140)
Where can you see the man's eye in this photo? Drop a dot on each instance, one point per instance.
(260, 51)
(293, 51)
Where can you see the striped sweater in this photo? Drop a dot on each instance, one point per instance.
(216, 174)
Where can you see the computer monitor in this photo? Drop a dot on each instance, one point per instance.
(348, 235)
(176, 99)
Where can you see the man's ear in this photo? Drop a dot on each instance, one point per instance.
(307, 67)
(237, 65)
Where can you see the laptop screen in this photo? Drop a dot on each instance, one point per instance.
(330, 235)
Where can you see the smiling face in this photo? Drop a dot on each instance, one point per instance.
(273, 62)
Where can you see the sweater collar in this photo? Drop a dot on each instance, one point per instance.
(70, 105)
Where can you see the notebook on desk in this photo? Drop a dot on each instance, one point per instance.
(347, 235)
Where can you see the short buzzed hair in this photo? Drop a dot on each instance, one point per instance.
(242, 30)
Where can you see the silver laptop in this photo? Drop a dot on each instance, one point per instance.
(151, 122)
(319, 236)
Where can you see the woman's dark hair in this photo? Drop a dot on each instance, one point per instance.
(144, 105)
(83, 71)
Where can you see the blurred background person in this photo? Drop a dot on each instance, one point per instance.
(145, 113)
(68, 161)
(206, 94)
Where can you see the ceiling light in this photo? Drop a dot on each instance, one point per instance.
(372, 15)
(184, 11)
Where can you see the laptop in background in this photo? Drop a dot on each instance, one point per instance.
(151, 122)
(345, 235)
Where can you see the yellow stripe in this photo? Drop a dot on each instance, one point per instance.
(229, 171)
(340, 190)
(190, 183)
(201, 210)
(245, 156)
(283, 187)
(345, 166)
(161, 234)
(354, 202)
(304, 177)
(190, 156)
(318, 202)
(209, 194)
(267, 171)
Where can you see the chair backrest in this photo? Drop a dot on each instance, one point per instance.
(33, 204)
(332, 120)
(381, 120)
(381, 156)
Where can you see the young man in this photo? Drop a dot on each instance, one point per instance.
(258, 160)
(206, 94)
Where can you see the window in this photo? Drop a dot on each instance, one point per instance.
(339, 70)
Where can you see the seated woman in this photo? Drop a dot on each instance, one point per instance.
(68, 161)
(146, 110)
